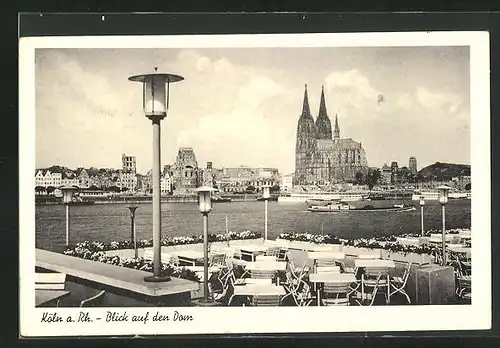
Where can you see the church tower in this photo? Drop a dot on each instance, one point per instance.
(323, 124)
(336, 132)
(306, 141)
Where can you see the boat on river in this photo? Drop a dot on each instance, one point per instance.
(343, 206)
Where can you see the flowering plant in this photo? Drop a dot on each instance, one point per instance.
(389, 243)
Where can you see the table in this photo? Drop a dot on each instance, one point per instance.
(44, 297)
(330, 278)
(266, 266)
(374, 263)
(190, 257)
(368, 256)
(253, 250)
(316, 255)
(257, 289)
(262, 258)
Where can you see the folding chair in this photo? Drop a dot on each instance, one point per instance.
(376, 278)
(298, 288)
(375, 285)
(273, 251)
(398, 284)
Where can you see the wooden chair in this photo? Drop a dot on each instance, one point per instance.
(266, 300)
(263, 274)
(335, 294)
(376, 279)
(375, 285)
(273, 251)
(93, 301)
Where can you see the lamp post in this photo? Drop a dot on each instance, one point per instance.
(422, 203)
(443, 199)
(205, 205)
(133, 237)
(68, 192)
(155, 102)
(265, 195)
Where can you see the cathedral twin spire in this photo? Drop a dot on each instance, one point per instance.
(323, 124)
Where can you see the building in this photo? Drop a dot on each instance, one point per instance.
(128, 164)
(208, 176)
(166, 184)
(239, 179)
(287, 182)
(412, 165)
(83, 178)
(185, 171)
(323, 158)
(69, 179)
(46, 178)
(394, 172)
(386, 172)
(127, 181)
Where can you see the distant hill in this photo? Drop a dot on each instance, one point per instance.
(443, 171)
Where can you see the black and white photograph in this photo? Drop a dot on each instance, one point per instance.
(338, 182)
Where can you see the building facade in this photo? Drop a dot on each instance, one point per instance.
(322, 157)
(129, 164)
(412, 165)
(45, 178)
(287, 182)
(185, 172)
(127, 181)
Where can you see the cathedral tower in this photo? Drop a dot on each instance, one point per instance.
(323, 124)
(336, 132)
(306, 140)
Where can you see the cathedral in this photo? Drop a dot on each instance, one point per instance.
(323, 158)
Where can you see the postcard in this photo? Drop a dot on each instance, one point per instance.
(228, 184)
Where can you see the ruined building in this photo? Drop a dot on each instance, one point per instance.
(322, 157)
(185, 171)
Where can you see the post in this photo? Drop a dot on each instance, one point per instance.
(422, 226)
(205, 257)
(156, 198)
(67, 225)
(133, 237)
(265, 220)
(444, 237)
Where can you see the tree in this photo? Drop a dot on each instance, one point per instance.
(373, 177)
(467, 187)
(359, 179)
(39, 189)
(274, 189)
(50, 189)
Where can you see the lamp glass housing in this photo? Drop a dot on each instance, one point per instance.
(265, 191)
(422, 201)
(443, 194)
(155, 96)
(205, 199)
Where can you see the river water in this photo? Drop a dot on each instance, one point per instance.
(109, 222)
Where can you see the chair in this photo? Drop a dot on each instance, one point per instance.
(93, 301)
(217, 260)
(298, 288)
(50, 281)
(282, 255)
(376, 278)
(273, 251)
(376, 284)
(398, 284)
(262, 274)
(266, 300)
(336, 294)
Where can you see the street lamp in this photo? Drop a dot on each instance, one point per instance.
(67, 192)
(133, 237)
(155, 102)
(265, 195)
(443, 199)
(205, 205)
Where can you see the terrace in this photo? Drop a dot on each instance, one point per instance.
(295, 270)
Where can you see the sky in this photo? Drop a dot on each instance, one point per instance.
(240, 106)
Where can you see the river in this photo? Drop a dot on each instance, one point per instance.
(108, 222)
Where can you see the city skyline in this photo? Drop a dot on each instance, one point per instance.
(244, 103)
